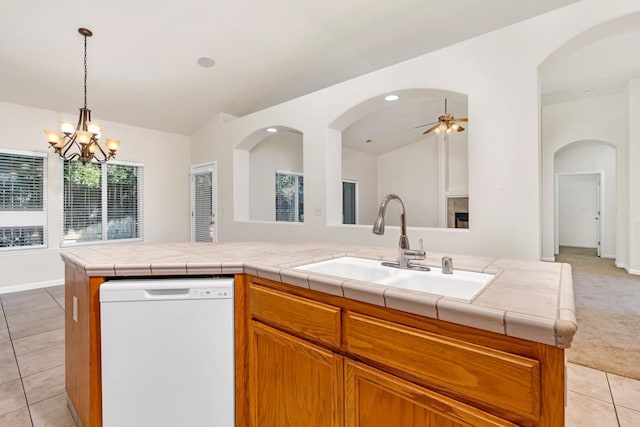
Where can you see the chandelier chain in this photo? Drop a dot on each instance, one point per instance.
(85, 71)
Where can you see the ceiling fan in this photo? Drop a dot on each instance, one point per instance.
(446, 122)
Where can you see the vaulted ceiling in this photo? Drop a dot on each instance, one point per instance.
(142, 57)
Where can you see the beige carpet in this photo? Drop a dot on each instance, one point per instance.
(608, 313)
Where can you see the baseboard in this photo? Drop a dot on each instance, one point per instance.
(621, 265)
(29, 286)
(627, 269)
(578, 246)
(549, 258)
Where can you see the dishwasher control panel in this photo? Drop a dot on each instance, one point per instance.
(211, 293)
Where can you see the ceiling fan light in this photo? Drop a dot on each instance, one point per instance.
(455, 126)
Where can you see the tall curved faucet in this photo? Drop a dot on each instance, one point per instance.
(405, 254)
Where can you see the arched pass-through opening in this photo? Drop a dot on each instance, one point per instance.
(379, 147)
(269, 176)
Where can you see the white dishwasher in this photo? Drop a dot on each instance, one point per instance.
(167, 352)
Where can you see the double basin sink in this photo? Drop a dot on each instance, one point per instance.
(464, 285)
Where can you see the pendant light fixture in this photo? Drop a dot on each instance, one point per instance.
(80, 141)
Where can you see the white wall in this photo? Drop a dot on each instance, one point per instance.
(599, 119)
(412, 173)
(363, 168)
(632, 210)
(281, 151)
(499, 73)
(166, 159)
(458, 164)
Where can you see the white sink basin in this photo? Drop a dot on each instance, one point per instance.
(461, 284)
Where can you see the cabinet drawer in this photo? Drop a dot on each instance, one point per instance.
(374, 398)
(309, 319)
(465, 370)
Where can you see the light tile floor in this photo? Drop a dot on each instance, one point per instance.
(32, 371)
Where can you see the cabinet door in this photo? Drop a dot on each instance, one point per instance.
(376, 399)
(292, 382)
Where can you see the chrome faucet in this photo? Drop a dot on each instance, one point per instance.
(405, 253)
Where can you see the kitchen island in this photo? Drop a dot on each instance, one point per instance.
(349, 352)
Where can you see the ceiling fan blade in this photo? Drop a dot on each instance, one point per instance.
(463, 119)
(426, 124)
(460, 128)
(431, 129)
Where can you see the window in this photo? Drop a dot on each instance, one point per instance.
(23, 199)
(203, 203)
(101, 202)
(289, 197)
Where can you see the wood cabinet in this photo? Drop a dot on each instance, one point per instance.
(292, 382)
(388, 368)
(377, 399)
(305, 358)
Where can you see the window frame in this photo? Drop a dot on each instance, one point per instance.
(24, 218)
(297, 212)
(104, 192)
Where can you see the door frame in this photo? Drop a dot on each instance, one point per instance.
(202, 167)
(601, 208)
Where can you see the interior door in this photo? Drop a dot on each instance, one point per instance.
(579, 210)
(203, 203)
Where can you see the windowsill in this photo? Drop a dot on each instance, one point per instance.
(255, 221)
(99, 242)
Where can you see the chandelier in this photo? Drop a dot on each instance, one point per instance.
(80, 141)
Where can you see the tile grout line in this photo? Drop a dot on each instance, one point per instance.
(24, 392)
(54, 298)
(615, 408)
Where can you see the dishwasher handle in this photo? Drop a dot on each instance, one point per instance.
(166, 293)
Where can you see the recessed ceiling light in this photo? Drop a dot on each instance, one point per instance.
(272, 130)
(367, 141)
(587, 89)
(206, 62)
(391, 98)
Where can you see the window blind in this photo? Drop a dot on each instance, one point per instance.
(101, 202)
(123, 201)
(203, 207)
(289, 191)
(23, 199)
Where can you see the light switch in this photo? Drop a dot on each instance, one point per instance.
(318, 211)
(74, 310)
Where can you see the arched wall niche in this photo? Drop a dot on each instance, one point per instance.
(377, 147)
(269, 176)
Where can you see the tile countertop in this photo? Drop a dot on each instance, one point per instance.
(532, 300)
